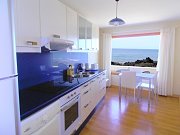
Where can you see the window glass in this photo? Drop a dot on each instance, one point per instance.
(135, 51)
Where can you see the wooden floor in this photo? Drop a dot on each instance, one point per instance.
(131, 118)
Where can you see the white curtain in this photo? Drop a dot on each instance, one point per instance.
(106, 54)
(166, 61)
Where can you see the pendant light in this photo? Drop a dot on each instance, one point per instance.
(116, 21)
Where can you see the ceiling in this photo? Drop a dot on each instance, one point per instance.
(132, 12)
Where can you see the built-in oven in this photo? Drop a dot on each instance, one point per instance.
(70, 112)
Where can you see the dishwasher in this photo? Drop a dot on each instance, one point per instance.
(44, 122)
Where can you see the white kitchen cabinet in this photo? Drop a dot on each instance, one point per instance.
(44, 122)
(102, 85)
(53, 19)
(94, 88)
(91, 93)
(95, 37)
(27, 25)
(72, 26)
(86, 101)
(82, 33)
(85, 34)
(88, 35)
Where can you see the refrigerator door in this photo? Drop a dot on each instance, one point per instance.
(7, 48)
(9, 107)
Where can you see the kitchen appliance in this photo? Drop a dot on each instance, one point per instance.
(56, 43)
(44, 122)
(70, 112)
(94, 66)
(80, 68)
(9, 97)
(86, 66)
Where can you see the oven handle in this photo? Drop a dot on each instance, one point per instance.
(70, 104)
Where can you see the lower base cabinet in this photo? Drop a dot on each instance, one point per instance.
(44, 122)
(47, 120)
(91, 94)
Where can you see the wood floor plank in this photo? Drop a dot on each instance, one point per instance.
(131, 118)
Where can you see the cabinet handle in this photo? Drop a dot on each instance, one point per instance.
(85, 92)
(27, 129)
(56, 36)
(32, 43)
(86, 105)
(86, 85)
(92, 81)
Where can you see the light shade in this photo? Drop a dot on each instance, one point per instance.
(116, 21)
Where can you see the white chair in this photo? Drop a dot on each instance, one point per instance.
(128, 80)
(137, 70)
(145, 85)
(123, 70)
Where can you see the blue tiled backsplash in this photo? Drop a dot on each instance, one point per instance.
(35, 68)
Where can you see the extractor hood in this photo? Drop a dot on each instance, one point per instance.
(56, 43)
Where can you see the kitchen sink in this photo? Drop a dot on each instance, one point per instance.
(83, 74)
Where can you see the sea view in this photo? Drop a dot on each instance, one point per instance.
(131, 55)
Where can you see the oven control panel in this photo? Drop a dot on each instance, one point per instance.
(66, 98)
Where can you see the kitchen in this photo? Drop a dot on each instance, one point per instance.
(45, 46)
(41, 42)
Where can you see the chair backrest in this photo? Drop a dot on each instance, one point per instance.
(128, 79)
(123, 70)
(137, 70)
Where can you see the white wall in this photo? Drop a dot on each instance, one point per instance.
(93, 57)
(151, 27)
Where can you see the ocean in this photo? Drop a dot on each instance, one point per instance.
(131, 55)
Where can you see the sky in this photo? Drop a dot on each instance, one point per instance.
(142, 42)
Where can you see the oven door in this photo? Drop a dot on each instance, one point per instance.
(70, 116)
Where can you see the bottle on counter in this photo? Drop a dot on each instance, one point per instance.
(70, 73)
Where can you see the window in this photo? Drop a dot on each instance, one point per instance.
(135, 50)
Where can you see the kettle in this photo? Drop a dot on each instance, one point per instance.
(86, 66)
(94, 66)
(79, 68)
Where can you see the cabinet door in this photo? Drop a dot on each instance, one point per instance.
(72, 29)
(94, 88)
(53, 18)
(95, 37)
(82, 33)
(88, 35)
(51, 128)
(27, 23)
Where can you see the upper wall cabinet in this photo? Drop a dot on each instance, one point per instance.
(27, 25)
(88, 35)
(72, 26)
(53, 19)
(82, 33)
(95, 37)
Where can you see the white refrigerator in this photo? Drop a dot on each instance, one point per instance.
(9, 97)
